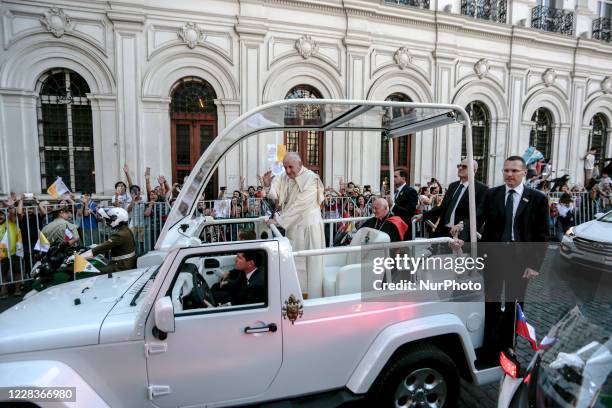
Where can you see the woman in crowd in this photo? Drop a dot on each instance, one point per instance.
(363, 209)
(121, 198)
(436, 195)
(425, 199)
(565, 215)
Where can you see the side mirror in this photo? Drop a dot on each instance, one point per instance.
(164, 315)
(598, 215)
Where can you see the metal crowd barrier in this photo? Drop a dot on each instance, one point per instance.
(147, 223)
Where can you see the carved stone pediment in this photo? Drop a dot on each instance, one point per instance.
(549, 76)
(191, 34)
(57, 22)
(606, 85)
(306, 46)
(402, 57)
(482, 67)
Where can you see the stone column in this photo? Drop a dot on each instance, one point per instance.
(497, 152)
(19, 157)
(361, 167)
(517, 138)
(584, 19)
(519, 12)
(251, 28)
(447, 139)
(574, 150)
(129, 43)
(227, 111)
(520, 141)
(105, 140)
(561, 150)
(156, 129)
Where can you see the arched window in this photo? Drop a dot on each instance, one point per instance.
(541, 132)
(401, 145)
(194, 126)
(481, 124)
(598, 138)
(65, 132)
(309, 144)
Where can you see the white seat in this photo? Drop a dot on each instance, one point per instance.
(182, 287)
(337, 262)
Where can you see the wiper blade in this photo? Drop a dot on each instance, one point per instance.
(153, 275)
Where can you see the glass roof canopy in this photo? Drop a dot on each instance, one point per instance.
(394, 119)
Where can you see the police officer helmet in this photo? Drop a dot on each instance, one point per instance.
(114, 217)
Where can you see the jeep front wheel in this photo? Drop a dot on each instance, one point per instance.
(422, 377)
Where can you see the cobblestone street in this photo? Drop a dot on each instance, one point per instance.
(558, 288)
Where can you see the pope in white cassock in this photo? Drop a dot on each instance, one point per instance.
(299, 193)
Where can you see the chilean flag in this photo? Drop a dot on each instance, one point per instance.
(524, 329)
(547, 342)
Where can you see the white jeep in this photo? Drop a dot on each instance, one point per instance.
(133, 339)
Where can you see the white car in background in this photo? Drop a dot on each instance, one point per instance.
(590, 244)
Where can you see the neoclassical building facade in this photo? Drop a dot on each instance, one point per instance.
(86, 87)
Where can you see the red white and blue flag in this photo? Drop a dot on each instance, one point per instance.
(524, 329)
(547, 342)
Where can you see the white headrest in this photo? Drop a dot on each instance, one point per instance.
(366, 236)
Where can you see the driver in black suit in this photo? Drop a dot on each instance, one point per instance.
(252, 287)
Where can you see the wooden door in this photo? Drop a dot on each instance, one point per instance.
(190, 138)
(309, 145)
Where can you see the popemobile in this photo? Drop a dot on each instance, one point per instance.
(156, 336)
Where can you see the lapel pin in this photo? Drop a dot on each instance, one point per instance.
(525, 199)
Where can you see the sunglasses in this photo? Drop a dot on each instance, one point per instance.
(462, 166)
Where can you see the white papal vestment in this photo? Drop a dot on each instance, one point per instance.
(300, 200)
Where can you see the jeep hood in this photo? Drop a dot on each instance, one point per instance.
(66, 315)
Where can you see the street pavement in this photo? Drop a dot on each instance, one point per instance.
(557, 289)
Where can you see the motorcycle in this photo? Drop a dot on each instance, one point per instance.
(572, 369)
(56, 266)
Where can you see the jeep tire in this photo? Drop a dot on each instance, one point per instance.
(423, 376)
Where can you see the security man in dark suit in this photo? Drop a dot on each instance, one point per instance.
(253, 287)
(406, 198)
(455, 205)
(511, 214)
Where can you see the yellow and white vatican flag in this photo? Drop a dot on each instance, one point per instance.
(4, 245)
(82, 265)
(57, 189)
(19, 245)
(42, 244)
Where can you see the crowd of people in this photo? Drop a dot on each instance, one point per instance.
(22, 216)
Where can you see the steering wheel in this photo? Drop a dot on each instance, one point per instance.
(201, 291)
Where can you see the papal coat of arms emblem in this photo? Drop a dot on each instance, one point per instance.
(293, 309)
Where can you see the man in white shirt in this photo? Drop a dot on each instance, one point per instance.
(589, 165)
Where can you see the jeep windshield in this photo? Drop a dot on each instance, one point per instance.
(352, 117)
